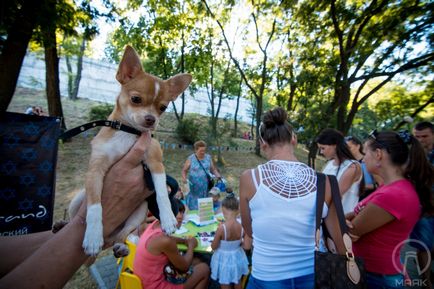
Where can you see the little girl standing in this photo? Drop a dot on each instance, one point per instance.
(229, 261)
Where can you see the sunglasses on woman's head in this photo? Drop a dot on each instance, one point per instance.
(374, 136)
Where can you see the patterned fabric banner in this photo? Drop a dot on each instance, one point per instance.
(28, 156)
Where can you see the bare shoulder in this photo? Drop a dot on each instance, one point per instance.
(160, 243)
(246, 174)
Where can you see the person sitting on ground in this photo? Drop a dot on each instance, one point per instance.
(35, 110)
(382, 222)
(156, 250)
(216, 203)
(342, 164)
(47, 260)
(229, 261)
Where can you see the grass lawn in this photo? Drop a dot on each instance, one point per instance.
(73, 158)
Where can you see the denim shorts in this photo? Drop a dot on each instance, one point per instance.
(423, 231)
(379, 281)
(302, 282)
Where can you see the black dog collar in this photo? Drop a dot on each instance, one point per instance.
(115, 124)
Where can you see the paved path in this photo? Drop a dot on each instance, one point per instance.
(105, 271)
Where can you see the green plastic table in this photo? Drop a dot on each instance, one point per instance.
(193, 229)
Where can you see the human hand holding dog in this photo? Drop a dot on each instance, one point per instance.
(125, 178)
(58, 258)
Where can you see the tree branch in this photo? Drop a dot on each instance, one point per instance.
(411, 64)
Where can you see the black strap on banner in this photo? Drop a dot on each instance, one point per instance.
(115, 124)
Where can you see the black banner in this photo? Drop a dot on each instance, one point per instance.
(28, 155)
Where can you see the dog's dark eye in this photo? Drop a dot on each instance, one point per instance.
(163, 108)
(136, 99)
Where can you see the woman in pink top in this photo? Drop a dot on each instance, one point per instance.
(382, 222)
(155, 250)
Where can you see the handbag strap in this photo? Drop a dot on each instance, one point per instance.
(336, 199)
(320, 197)
(200, 163)
(353, 271)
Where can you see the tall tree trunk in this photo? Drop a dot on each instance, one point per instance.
(237, 107)
(342, 110)
(14, 49)
(77, 79)
(70, 75)
(52, 75)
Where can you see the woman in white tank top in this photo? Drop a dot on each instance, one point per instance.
(342, 164)
(277, 202)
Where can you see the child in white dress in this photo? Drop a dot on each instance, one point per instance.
(229, 261)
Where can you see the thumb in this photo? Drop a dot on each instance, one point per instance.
(135, 155)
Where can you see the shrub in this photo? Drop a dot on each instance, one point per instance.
(100, 111)
(187, 130)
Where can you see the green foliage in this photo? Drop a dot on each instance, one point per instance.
(100, 112)
(187, 130)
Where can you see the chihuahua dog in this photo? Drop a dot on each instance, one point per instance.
(142, 100)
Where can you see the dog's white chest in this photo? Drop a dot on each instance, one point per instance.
(115, 147)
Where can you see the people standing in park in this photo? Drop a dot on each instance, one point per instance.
(424, 132)
(382, 222)
(198, 167)
(423, 231)
(342, 164)
(229, 261)
(277, 204)
(368, 184)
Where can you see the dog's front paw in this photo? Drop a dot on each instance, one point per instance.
(168, 222)
(120, 250)
(93, 237)
(93, 241)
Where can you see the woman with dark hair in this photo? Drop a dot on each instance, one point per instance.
(277, 203)
(382, 222)
(369, 182)
(342, 164)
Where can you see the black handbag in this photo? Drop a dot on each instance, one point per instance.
(334, 271)
(28, 158)
(209, 178)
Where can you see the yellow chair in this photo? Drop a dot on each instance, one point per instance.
(128, 261)
(127, 280)
(245, 278)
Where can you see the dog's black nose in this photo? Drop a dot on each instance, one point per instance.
(149, 120)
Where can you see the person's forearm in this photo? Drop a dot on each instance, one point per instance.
(28, 244)
(188, 256)
(179, 240)
(216, 172)
(184, 176)
(54, 263)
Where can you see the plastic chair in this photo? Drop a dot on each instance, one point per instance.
(245, 278)
(129, 281)
(128, 261)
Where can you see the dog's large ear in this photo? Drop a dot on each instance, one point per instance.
(178, 83)
(129, 67)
